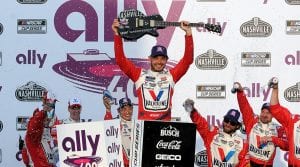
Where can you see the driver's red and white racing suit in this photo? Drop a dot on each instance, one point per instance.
(39, 142)
(154, 89)
(291, 123)
(223, 149)
(262, 154)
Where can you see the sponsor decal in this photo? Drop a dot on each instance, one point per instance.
(1, 28)
(210, 91)
(256, 59)
(30, 92)
(211, 60)
(1, 125)
(257, 90)
(293, 59)
(170, 131)
(172, 145)
(32, 57)
(32, 26)
(78, 161)
(293, 2)
(256, 28)
(201, 159)
(95, 71)
(292, 94)
(21, 123)
(32, 1)
(293, 26)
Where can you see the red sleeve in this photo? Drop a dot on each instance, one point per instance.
(108, 116)
(35, 127)
(202, 127)
(181, 68)
(25, 156)
(281, 143)
(125, 65)
(246, 110)
(243, 159)
(282, 114)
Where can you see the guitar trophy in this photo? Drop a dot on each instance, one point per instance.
(134, 24)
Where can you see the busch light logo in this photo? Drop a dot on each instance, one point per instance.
(256, 28)
(95, 71)
(169, 131)
(1, 28)
(32, 1)
(21, 123)
(211, 91)
(292, 94)
(30, 92)
(293, 2)
(211, 60)
(293, 26)
(256, 59)
(32, 26)
(201, 159)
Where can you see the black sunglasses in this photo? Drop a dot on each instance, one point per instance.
(75, 107)
(231, 122)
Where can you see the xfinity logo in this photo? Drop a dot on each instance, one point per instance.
(256, 28)
(168, 157)
(169, 131)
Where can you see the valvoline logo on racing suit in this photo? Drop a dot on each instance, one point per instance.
(156, 91)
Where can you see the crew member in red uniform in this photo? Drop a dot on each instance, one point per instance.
(155, 85)
(290, 122)
(38, 139)
(125, 113)
(262, 133)
(223, 146)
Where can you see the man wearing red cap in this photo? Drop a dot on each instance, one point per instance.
(263, 134)
(125, 114)
(290, 122)
(155, 86)
(39, 142)
(224, 146)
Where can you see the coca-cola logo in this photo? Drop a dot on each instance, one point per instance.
(172, 145)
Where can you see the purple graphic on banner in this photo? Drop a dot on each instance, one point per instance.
(94, 71)
(77, 161)
(91, 21)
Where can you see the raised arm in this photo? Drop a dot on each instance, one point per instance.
(125, 65)
(246, 109)
(201, 123)
(181, 68)
(280, 113)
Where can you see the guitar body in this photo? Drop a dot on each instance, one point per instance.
(134, 24)
(132, 28)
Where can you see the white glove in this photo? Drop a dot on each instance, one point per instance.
(188, 105)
